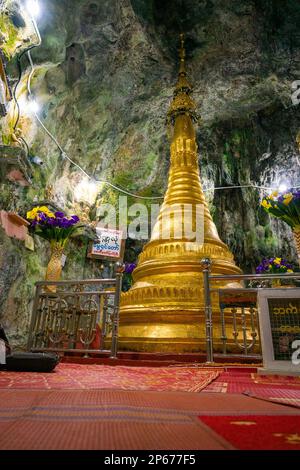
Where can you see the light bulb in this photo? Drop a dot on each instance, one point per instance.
(28, 106)
(34, 106)
(33, 8)
(282, 188)
(86, 191)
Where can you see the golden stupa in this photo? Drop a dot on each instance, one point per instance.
(164, 309)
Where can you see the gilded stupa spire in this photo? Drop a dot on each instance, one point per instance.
(182, 55)
(182, 102)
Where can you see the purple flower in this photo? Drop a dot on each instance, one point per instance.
(52, 222)
(42, 216)
(296, 194)
(129, 268)
(75, 218)
(63, 222)
(59, 214)
(270, 266)
(261, 268)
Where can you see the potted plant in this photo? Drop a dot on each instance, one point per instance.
(286, 206)
(57, 228)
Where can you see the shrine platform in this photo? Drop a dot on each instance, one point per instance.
(139, 359)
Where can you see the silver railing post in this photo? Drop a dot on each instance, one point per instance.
(206, 264)
(34, 314)
(119, 268)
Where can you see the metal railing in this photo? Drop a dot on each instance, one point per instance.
(66, 315)
(234, 304)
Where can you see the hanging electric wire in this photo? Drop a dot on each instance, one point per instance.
(65, 155)
(26, 51)
(117, 188)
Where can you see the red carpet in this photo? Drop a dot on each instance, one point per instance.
(119, 408)
(141, 420)
(279, 389)
(77, 376)
(251, 432)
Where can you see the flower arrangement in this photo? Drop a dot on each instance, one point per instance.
(274, 266)
(55, 227)
(286, 206)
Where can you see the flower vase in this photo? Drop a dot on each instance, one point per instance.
(54, 267)
(296, 233)
(276, 283)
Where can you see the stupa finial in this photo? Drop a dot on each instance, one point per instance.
(182, 54)
(182, 102)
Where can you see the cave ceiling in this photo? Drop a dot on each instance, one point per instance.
(104, 78)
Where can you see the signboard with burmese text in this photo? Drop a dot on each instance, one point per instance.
(108, 245)
(279, 317)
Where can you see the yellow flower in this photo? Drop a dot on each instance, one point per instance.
(266, 204)
(277, 261)
(288, 197)
(290, 271)
(273, 195)
(46, 211)
(34, 213)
